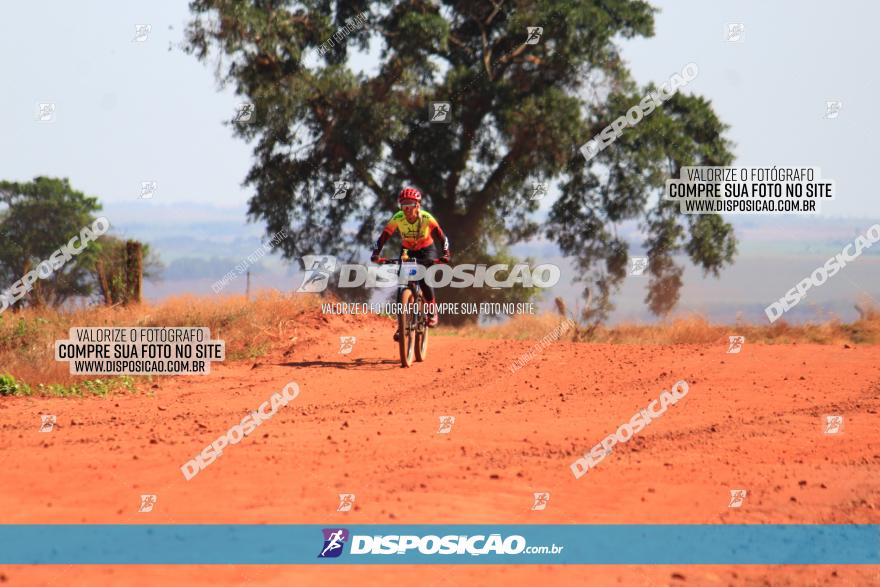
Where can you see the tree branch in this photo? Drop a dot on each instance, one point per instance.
(402, 157)
(494, 13)
(513, 54)
(487, 50)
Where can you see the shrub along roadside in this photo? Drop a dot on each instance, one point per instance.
(10, 386)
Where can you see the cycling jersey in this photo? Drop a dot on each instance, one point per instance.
(417, 235)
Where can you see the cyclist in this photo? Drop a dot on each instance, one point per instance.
(420, 233)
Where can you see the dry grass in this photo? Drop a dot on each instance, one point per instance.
(697, 330)
(250, 329)
(272, 320)
(689, 330)
(524, 327)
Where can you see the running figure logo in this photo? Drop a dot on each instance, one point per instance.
(737, 497)
(639, 264)
(148, 188)
(439, 112)
(346, 501)
(244, 112)
(46, 112)
(534, 34)
(446, 423)
(832, 108)
(833, 424)
(147, 503)
(318, 269)
(735, 344)
(141, 32)
(346, 344)
(590, 149)
(334, 539)
(47, 422)
(541, 500)
(340, 189)
(735, 32)
(539, 190)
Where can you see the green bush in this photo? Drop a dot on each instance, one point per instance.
(101, 387)
(10, 386)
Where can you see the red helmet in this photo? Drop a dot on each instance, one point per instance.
(409, 194)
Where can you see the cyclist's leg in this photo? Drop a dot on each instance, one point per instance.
(426, 258)
(430, 303)
(427, 291)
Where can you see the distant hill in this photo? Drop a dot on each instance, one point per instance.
(199, 244)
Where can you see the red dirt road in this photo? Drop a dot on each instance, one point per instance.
(363, 425)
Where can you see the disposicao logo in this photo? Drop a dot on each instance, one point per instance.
(319, 268)
(334, 540)
(317, 275)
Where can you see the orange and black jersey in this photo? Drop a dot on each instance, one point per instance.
(416, 236)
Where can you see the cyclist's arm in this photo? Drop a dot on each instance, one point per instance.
(383, 238)
(439, 237)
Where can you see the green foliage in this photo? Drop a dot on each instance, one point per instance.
(39, 217)
(99, 387)
(519, 114)
(10, 386)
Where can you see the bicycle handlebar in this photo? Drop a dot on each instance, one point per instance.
(398, 261)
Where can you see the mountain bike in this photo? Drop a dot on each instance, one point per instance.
(412, 320)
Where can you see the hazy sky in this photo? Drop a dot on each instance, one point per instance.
(129, 111)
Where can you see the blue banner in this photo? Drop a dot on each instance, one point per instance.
(439, 544)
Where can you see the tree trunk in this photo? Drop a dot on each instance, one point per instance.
(36, 296)
(133, 272)
(105, 285)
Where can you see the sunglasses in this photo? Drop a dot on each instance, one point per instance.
(405, 206)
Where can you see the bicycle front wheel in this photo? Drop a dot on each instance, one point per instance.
(405, 322)
(421, 333)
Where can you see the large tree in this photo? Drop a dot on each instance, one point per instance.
(519, 112)
(36, 219)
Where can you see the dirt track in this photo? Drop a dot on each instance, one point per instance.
(363, 425)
